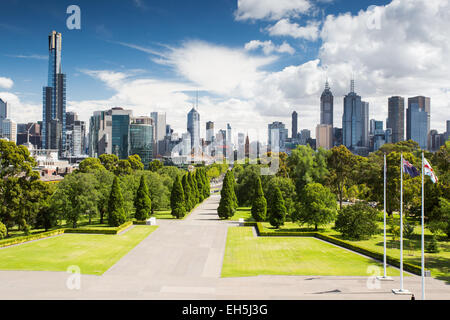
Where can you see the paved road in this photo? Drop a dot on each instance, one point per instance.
(183, 260)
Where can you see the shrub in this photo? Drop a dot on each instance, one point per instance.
(358, 221)
(226, 207)
(117, 215)
(2, 231)
(142, 202)
(177, 201)
(432, 245)
(277, 209)
(259, 205)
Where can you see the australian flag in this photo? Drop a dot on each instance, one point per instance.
(410, 169)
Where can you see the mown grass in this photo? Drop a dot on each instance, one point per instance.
(92, 253)
(246, 255)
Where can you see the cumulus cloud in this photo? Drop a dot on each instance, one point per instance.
(21, 112)
(269, 47)
(285, 27)
(6, 83)
(270, 9)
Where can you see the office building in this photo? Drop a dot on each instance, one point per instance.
(54, 98)
(8, 129)
(337, 137)
(4, 110)
(294, 125)
(109, 132)
(159, 130)
(277, 135)
(418, 120)
(305, 134)
(193, 127)
(209, 131)
(396, 118)
(141, 139)
(355, 123)
(326, 106)
(324, 136)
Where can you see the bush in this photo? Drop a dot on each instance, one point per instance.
(277, 210)
(432, 245)
(358, 221)
(177, 200)
(142, 202)
(117, 214)
(2, 231)
(226, 207)
(259, 205)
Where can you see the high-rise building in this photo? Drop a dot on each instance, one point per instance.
(418, 120)
(54, 98)
(337, 137)
(229, 154)
(396, 118)
(29, 133)
(4, 110)
(355, 122)
(141, 139)
(109, 133)
(305, 134)
(294, 125)
(326, 106)
(209, 131)
(8, 129)
(159, 129)
(324, 136)
(193, 127)
(75, 135)
(241, 146)
(436, 140)
(277, 135)
(378, 134)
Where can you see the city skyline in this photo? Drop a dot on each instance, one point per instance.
(284, 56)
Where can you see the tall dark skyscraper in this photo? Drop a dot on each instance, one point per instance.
(193, 127)
(294, 125)
(355, 122)
(396, 118)
(418, 120)
(326, 106)
(54, 98)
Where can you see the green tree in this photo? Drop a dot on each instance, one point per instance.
(277, 209)
(226, 207)
(432, 245)
(75, 197)
(200, 187)
(155, 165)
(358, 221)
(441, 224)
(142, 202)
(117, 215)
(109, 161)
(177, 200)
(123, 168)
(90, 165)
(188, 194)
(341, 162)
(193, 184)
(135, 162)
(46, 217)
(245, 189)
(104, 180)
(318, 206)
(287, 189)
(259, 205)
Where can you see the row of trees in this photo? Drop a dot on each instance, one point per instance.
(188, 191)
(27, 202)
(311, 181)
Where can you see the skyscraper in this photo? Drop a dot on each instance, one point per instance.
(209, 131)
(324, 136)
(4, 111)
(355, 122)
(54, 98)
(193, 127)
(8, 129)
(277, 135)
(326, 106)
(141, 139)
(159, 130)
(418, 120)
(396, 118)
(294, 125)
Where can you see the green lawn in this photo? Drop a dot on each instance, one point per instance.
(93, 253)
(246, 255)
(243, 212)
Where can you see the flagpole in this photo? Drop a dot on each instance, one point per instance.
(401, 223)
(401, 290)
(384, 277)
(423, 235)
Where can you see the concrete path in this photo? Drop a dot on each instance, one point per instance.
(183, 260)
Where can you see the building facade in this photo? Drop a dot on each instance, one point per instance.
(141, 139)
(294, 125)
(418, 120)
(326, 106)
(193, 127)
(277, 135)
(396, 118)
(324, 136)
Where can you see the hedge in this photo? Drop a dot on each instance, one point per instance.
(136, 222)
(17, 240)
(100, 230)
(375, 255)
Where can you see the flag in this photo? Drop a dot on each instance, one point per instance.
(428, 171)
(410, 169)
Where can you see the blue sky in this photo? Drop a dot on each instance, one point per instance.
(153, 55)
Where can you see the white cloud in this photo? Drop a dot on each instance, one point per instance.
(6, 83)
(20, 111)
(286, 28)
(29, 56)
(270, 9)
(268, 47)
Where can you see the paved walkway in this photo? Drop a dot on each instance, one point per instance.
(183, 260)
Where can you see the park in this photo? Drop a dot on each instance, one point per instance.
(254, 240)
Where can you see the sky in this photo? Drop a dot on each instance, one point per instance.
(252, 62)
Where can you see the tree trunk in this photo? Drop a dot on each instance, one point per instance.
(315, 227)
(101, 216)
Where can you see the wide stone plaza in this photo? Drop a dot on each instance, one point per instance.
(183, 260)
